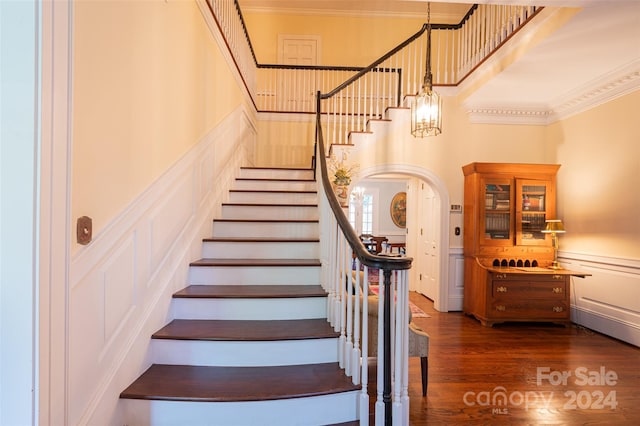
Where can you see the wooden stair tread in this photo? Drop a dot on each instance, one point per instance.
(268, 205)
(276, 191)
(275, 168)
(267, 179)
(269, 220)
(250, 291)
(246, 330)
(226, 384)
(261, 240)
(256, 262)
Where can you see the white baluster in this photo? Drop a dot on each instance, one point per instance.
(379, 407)
(357, 313)
(404, 283)
(364, 396)
(342, 306)
(348, 345)
(398, 353)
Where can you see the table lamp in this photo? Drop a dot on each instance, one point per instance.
(554, 227)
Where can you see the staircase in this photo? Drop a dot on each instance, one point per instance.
(249, 343)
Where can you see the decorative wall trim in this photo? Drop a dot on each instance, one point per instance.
(608, 87)
(52, 334)
(597, 92)
(607, 301)
(122, 282)
(513, 114)
(456, 279)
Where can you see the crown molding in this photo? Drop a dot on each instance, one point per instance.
(606, 88)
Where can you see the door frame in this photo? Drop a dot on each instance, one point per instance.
(441, 302)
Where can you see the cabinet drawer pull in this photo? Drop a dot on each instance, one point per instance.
(501, 308)
(558, 277)
(501, 289)
(557, 290)
(501, 276)
(558, 309)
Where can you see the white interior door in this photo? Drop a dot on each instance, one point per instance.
(297, 88)
(429, 219)
(298, 49)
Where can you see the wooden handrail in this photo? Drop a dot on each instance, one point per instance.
(360, 251)
(386, 264)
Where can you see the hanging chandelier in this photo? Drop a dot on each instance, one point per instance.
(426, 110)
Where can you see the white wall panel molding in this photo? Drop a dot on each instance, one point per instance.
(456, 279)
(607, 301)
(122, 282)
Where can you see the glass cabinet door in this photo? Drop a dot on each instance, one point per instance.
(532, 210)
(497, 197)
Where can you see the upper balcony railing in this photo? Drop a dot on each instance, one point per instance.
(457, 50)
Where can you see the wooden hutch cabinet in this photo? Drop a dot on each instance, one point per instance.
(507, 259)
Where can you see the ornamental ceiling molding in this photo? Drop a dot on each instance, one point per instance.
(605, 89)
(615, 84)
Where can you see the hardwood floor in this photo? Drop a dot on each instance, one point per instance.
(472, 367)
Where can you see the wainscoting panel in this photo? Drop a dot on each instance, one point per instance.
(456, 279)
(609, 300)
(120, 287)
(122, 282)
(167, 220)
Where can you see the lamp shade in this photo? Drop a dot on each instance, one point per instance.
(554, 225)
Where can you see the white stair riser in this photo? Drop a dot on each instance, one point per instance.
(269, 212)
(244, 354)
(250, 309)
(314, 410)
(266, 229)
(275, 185)
(254, 275)
(260, 250)
(273, 197)
(275, 174)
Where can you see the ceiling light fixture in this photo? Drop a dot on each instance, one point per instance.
(426, 110)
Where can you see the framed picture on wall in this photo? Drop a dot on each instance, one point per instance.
(399, 209)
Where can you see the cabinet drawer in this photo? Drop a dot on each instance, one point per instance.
(552, 290)
(534, 309)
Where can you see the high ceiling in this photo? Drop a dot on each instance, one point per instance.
(593, 57)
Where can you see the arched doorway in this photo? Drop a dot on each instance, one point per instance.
(427, 229)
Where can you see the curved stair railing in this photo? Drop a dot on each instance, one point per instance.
(345, 100)
(347, 308)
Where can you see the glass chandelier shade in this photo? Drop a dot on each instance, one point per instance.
(426, 110)
(426, 113)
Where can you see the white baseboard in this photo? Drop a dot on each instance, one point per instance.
(607, 301)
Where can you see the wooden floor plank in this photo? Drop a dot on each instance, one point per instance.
(198, 383)
(469, 362)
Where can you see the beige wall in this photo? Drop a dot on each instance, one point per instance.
(148, 82)
(362, 34)
(287, 141)
(599, 181)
